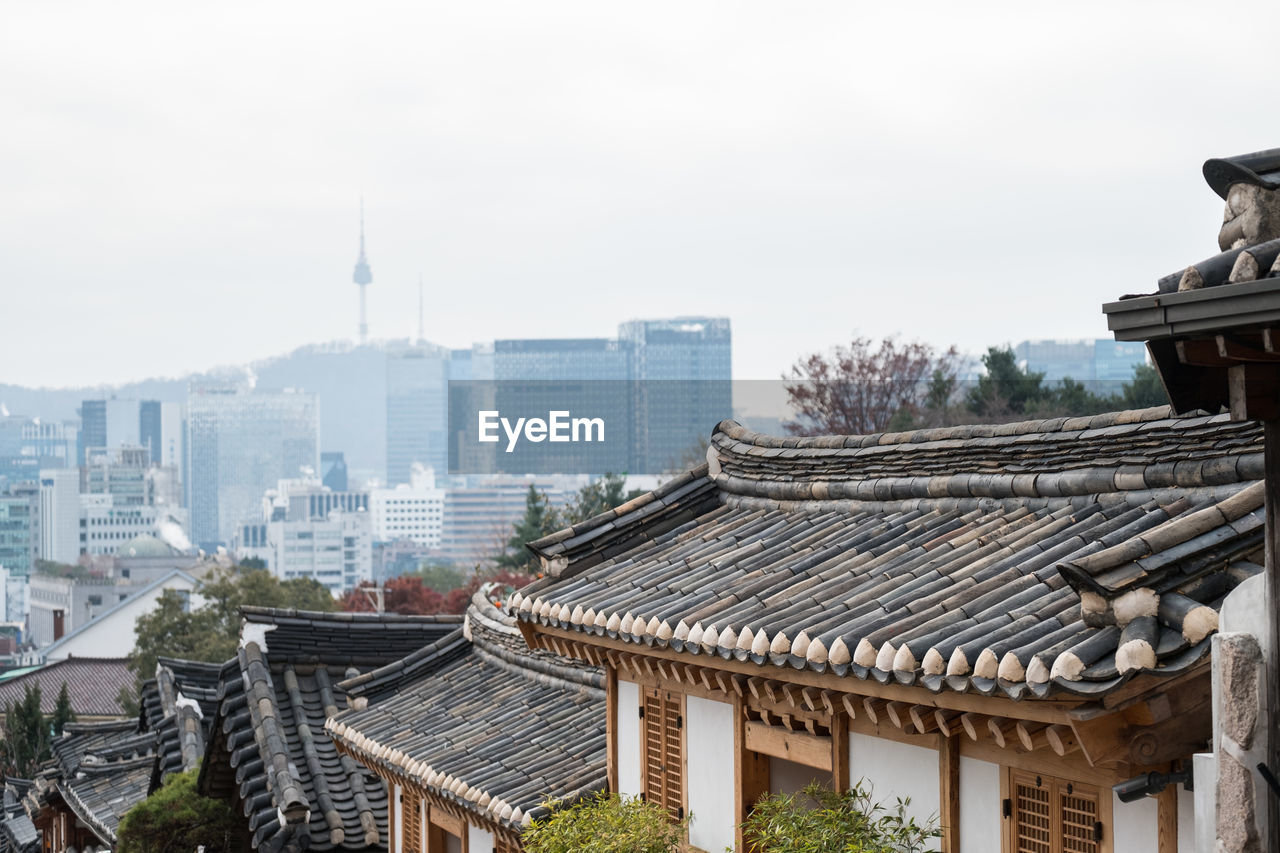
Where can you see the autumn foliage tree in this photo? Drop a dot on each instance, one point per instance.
(411, 595)
(862, 387)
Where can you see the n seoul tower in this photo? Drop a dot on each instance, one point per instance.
(362, 277)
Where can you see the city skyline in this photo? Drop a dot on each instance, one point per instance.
(696, 170)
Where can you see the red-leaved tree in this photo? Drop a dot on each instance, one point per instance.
(408, 594)
(861, 388)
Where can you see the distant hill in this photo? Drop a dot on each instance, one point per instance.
(350, 380)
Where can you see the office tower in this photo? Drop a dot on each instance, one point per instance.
(151, 428)
(108, 424)
(333, 471)
(1082, 360)
(413, 510)
(59, 515)
(417, 410)
(241, 442)
(17, 533)
(683, 371)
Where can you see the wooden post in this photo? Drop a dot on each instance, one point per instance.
(611, 727)
(839, 752)
(1167, 820)
(949, 792)
(751, 772)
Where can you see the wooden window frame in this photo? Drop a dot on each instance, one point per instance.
(412, 838)
(440, 823)
(1057, 786)
(667, 698)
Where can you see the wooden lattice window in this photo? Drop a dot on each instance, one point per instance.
(1052, 815)
(662, 739)
(411, 822)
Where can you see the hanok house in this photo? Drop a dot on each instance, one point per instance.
(268, 750)
(474, 734)
(1213, 331)
(999, 622)
(99, 771)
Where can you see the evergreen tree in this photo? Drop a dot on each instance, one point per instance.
(62, 713)
(539, 519)
(26, 742)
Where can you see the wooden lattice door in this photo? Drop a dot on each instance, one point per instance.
(1052, 815)
(411, 820)
(662, 730)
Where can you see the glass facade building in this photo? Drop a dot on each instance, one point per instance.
(417, 410)
(240, 443)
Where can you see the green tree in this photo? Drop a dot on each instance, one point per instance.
(599, 496)
(1005, 389)
(177, 818)
(62, 713)
(1144, 390)
(540, 518)
(820, 821)
(26, 742)
(210, 632)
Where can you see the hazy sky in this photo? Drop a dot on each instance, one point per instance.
(179, 183)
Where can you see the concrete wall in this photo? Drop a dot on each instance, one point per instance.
(1135, 825)
(479, 840)
(628, 728)
(708, 733)
(980, 807)
(897, 770)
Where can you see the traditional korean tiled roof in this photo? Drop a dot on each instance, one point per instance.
(93, 685)
(482, 722)
(179, 705)
(19, 835)
(101, 770)
(269, 750)
(1049, 557)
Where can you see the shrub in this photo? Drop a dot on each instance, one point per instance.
(605, 823)
(177, 818)
(820, 821)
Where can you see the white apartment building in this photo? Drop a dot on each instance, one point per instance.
(306, 530)
(106, 525)
(413, 510)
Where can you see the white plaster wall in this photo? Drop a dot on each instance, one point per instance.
(479, 840)
(113, 636)
(895, 769)
(1135, 825)
(788, 777)
(393, 803)
(708, 734)
(1186, 821)
(981, 811)
(628, 728)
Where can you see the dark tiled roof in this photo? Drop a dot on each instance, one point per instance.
(269, 748)
(101, 770)
(20, 835)
(179, 705)
(102, 795)
(486, 724)
(92, 685)
(1051, 556)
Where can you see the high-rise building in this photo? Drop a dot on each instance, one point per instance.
(333, 471)
(17, 533)
(417, 410)
(683, 371)
(241, 442)
(413, 510)
(108, 423)
(305, 530)
(29, 444)
(1082, 360)
(59, 515)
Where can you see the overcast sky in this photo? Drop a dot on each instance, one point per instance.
(180, 183)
